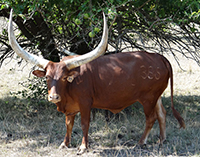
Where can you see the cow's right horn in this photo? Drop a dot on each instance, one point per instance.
(98, 51)
(20, 51)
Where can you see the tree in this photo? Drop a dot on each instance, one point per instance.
(151, 25)
(48, 26)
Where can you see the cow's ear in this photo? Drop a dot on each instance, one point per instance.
(72, 75)
(39, 73)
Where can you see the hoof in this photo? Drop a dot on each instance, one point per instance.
(81, 150)
(161, 142)
(142, 146)
(160, 146)
(63, 146)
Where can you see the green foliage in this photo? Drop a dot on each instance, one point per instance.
(35, 91)
(76, 18)
(55, 11)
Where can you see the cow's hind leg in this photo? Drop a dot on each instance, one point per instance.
(69, 120)
(161, 114)
(150, 120)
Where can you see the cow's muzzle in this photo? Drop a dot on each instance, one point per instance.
(54, 98)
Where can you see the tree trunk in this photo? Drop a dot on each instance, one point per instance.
(37, 31)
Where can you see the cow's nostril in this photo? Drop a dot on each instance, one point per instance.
(54, 98)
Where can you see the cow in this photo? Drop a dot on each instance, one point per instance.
(111, 82)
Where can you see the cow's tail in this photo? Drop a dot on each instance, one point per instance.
(175, 112)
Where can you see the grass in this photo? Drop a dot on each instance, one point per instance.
(26, 131)
(36, 128)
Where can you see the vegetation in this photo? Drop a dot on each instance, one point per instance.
(76, 25)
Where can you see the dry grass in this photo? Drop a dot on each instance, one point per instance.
(38, 130)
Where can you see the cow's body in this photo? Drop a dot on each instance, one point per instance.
(116, 81)
(112, 82)
(121, 79)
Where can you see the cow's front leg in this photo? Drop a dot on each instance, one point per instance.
(85, 120)
(69, 125)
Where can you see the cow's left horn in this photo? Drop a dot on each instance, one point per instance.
(20, 51)
(98, 51)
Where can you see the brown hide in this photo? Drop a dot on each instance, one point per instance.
(125, 78)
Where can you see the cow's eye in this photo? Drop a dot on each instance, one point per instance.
(48, 78)
(64, 78)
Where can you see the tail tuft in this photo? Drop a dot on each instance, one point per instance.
(179, 118)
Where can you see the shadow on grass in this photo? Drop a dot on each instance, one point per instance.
(39, 121)
(22, 119)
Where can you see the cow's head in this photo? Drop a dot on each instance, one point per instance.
(58, 75)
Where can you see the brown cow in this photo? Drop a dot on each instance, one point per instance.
(112, 82)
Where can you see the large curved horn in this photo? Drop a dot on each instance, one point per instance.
(20, 51)
(98, 51)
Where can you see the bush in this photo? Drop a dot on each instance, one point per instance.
(34, 93)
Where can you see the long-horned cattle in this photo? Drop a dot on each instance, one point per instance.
(111, 82)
